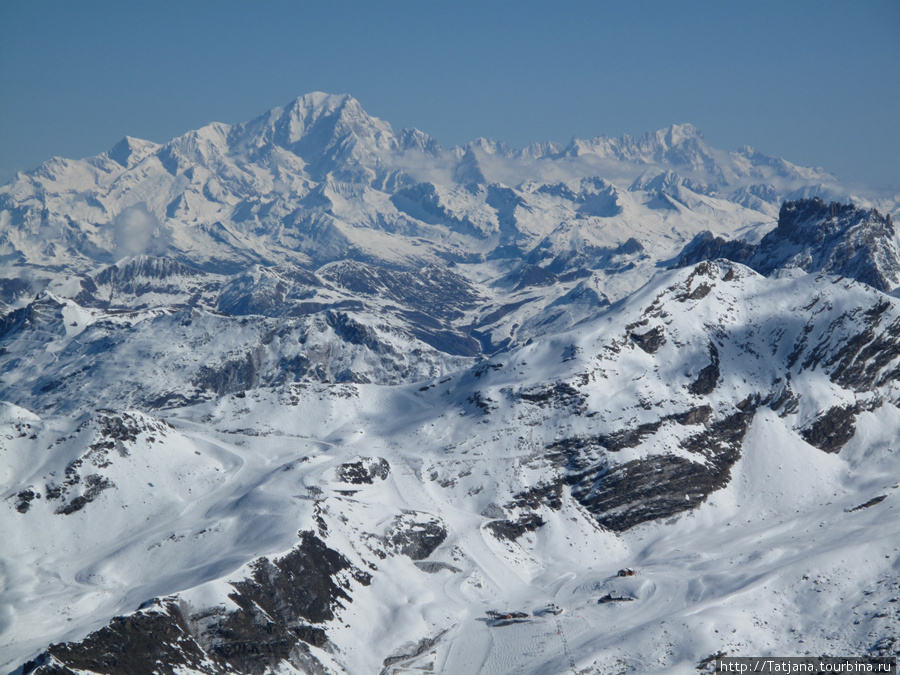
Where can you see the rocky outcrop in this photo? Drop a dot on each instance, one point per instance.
(282, 608)
(416, 535)
(156, 640)
(650, 341)
(833, 429)
(621, 496)
(513, 529)
(364, 471)
(839, 239)
(708, 376)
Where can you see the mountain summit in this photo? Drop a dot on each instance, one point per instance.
(317, 179)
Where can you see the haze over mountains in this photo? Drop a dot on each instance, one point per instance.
(316, 395)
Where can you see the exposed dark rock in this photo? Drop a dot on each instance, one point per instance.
(839, 239)
(631, 438)
(886, 647)
(122, 427)
(447, 341)
(697, 415)
(861, 361)
(650, 341)
(705, 246)
(420, 648)
(278, 291)
(94, 485)
(785, 401)
(642, 490)
(545, 494)
(415, 536)
(484, 404)
(624, 495)
(12, 289)
(832, 430)
(366, 470)
(698, 293)
(25, 498)
(300, 584)
(609, 597)
(724, 437)
(558, 395)
(138, 276)
(276, 604)
(311, 635)
(434, 291)
(630, 246)
(532, 275)
(153, 641)
(628, 438)
(351, 330)
(468, 172)
(704, 665)
(871, 502)
(238, 374)
(708, 377)
(500, 619)
(43, 317)
(513, 529)
(433, 567)
(486, 367)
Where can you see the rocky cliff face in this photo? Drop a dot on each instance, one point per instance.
(278, 608)
(812, 236)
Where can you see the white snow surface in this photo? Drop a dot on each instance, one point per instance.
(320, 180)
(779, 561)
(199, 337)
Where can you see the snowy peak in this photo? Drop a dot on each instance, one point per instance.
(320, 180)
(468, 171)
(490, 147)
(812, 220)
(413, 139)
(327, 132)
(129, 151)
(665, 182)
(676, 144)
(836, 239)
(314, 124)
(311, 181)
(675, 135)
(319, 112)
(203, 146)
(782, 167)
(681, 145)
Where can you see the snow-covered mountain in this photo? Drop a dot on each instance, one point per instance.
(813, 236)
(320, 180)
(308, 395)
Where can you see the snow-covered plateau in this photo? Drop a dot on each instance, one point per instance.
(309, 395)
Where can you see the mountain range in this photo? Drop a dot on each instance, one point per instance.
(309, 395)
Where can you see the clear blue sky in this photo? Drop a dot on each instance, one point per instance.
(815, 82)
